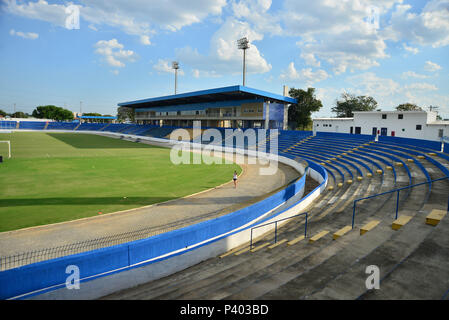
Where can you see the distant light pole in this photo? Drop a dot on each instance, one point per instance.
(243, 44)
(81, 113)
(175, 65)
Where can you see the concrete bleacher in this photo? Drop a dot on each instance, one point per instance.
(8, 124)
(61, 125)
(32, 125)
(90, 126)
(413, 255)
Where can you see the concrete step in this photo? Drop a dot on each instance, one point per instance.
(260, 262)
(424, 274)
(351, 283)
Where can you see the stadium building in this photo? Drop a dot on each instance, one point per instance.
(403, 124)
(227, 107)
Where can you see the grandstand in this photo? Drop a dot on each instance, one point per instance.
(372, 209)
(331, 263)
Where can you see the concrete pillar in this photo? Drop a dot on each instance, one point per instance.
(285, 123)
(267, 115)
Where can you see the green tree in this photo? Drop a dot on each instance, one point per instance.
(19, 114)
(408, 107)
(125, 114)
(52, 112)
(349, 103)
(3, 113)
(300, 113)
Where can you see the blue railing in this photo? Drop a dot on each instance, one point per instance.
(276, 227)
(397, 197)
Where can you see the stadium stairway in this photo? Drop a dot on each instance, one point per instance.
(319, 267)
(104, 128)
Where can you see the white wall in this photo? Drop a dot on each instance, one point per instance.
(333, 125)
(404, 128)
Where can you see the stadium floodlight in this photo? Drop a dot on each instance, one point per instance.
(243, 44)
(175, 65)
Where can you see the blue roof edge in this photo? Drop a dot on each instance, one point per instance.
(212, 91)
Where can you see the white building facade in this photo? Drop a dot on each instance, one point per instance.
(405, 124)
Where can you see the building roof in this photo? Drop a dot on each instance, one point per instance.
(390, 111)
(211, 95)
(439, 123)
(330, 119)
(97, 117)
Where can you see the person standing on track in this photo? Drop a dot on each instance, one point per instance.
(235, 179)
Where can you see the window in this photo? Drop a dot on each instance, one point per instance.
(330, 125)
(418, 127)
(400, 116)
(440, 133)
(384, 116)
(317, 125)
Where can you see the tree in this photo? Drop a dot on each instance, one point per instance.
(19, 114)
(3, 113)
(408, 107)
(299, 114)
(344, 108)
(125, 114)
(52, 112)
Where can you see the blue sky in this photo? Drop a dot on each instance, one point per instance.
(393, 50)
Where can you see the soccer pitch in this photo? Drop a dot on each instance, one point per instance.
(55, 177)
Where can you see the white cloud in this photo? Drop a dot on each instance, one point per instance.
(135, 17)
(92, 27)
(370, 84)
(431, 66)
(306, 75)
(145, 40)
(165, 66)
(430, 27)
(410, 49)
(40, 10)
(113, 53)
(25, 35)
(256, 13)
(421, 86)
(336, 32)
(310, 59)
(224, 57)
(412, 74)
(204, 74)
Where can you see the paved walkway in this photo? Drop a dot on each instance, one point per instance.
(159, 217)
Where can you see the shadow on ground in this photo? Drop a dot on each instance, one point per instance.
(88, 141)
(118, 200)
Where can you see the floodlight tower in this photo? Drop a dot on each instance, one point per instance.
(175, 65)
(243, 44)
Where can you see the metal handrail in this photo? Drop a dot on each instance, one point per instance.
(275, 227)
(397, 198)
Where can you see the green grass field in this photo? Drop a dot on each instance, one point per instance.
(54, 177)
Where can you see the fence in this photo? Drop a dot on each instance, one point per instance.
(25, 258)
(276, 227)
(397, 197)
